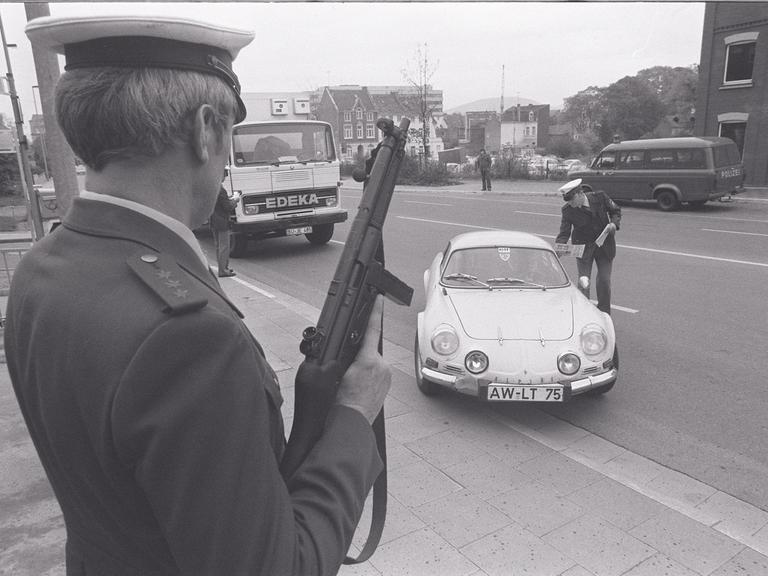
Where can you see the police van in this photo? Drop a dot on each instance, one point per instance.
(288, 178)
(669, 171)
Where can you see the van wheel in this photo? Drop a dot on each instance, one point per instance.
(667, 201)
(320, 234)
(238, 245)
(427, 388)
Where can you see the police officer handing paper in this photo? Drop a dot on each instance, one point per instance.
(151, 406)
(591, 219)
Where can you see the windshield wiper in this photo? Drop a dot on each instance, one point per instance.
(462, 276)
(507, 280)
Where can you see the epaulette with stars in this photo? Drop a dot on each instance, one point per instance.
(166, 279)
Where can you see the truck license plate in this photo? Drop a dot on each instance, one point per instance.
(507, 393)
(297, 231)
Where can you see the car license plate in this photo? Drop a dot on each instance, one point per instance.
(297, 231)
(507, 393)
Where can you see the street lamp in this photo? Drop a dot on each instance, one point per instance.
(42, 134)
(25, 172)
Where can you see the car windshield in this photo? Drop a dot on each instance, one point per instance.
(503, 267)
(282, 144)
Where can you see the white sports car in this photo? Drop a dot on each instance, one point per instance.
(503, 322)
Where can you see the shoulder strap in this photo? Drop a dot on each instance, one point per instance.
(163, 275)
(379, 510)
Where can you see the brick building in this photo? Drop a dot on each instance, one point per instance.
(732, 93)
(352, 110)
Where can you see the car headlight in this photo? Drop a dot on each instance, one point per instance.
(476, 362)
(568, 363)
(250, 209)
(331, 201)
(444, 340)
(593, 339)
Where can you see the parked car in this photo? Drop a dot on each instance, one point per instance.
(503, 322)
(669, 171)
(574, 164)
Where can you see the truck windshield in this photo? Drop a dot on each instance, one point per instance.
(282, 144)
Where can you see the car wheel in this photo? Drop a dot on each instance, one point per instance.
(320, 234)
(667, 201)
(607, 387)
(427, 388)
(238, 245)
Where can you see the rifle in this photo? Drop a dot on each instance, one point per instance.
(331, 346)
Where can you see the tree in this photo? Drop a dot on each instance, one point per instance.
(418, 74)
(631, 108)
(675, 87)
(584, 110)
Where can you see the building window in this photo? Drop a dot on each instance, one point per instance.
(369, 131)
(347, 116)
(733, 125)
(359, 131)
(370, 117)
(531, 116)
(740, 58)
(533, 130)
(347, 131)
(359, 114)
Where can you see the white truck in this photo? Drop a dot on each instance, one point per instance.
(288, 178)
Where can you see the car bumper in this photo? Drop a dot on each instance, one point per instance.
(477, 387)
(260, 227)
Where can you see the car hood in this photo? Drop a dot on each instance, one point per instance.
(514, 314)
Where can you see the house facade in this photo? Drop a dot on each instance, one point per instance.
(525, 128)
(732, 93)
(353, 110)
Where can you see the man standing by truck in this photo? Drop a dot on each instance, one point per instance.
(220, 226)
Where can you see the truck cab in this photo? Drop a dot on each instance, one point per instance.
(288, 178)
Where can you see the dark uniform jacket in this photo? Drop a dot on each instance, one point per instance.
(223, 209)
(584, 225)
(157, 417)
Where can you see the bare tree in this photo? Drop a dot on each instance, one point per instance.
(418, 73)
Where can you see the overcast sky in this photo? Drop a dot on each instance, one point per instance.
(549, 50)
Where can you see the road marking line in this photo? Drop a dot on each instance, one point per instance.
(427, 203)
(252, 287)
(654, 250)
(536, 213)
(616, 307)
(734, 232)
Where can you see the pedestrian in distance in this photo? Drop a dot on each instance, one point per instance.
(152, 407)
(221, 225)
(584, 217)
(483, 163)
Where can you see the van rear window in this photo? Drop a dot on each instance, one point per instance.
(726, 155)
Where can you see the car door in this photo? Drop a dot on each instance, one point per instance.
(627, 180)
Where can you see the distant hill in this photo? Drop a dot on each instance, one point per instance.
(490, 104)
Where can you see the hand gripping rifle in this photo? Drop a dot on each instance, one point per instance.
(331, 346)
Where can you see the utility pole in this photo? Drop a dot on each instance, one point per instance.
(501, 104)
(27, 182)
(61, 160)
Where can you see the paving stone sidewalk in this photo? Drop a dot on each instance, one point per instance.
(474, 489)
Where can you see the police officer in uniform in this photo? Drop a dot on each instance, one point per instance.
(584, 216)
(152, 407)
